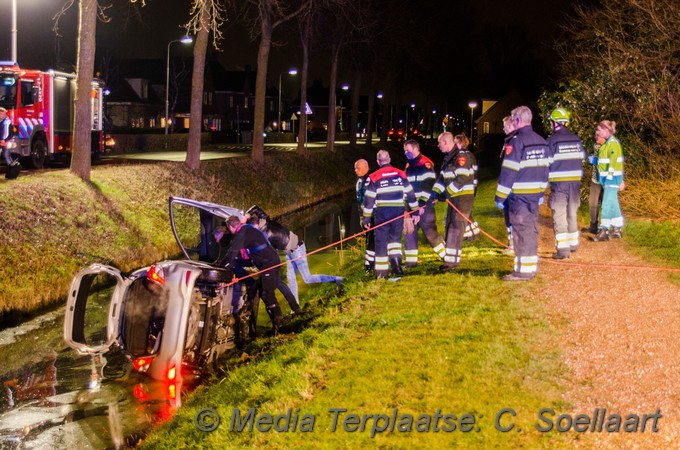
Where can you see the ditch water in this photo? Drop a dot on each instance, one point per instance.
(52, 397)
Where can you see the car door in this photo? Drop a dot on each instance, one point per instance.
(92, 309)
(193, 224)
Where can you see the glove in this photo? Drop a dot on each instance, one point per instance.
(592, 159)
(540, 200)
(408, 226)
(500, 205)
(366, 222)
(416, 219)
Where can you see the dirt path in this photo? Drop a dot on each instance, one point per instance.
(619, 331)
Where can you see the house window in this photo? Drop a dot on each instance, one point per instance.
(486, 127)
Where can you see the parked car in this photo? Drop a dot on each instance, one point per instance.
(395, 135)
(173, 318)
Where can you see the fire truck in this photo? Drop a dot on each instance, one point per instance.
(41, 106)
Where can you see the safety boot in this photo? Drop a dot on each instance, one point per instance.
(602, 235)
(395, 264)
(592, 229)
(615, 233)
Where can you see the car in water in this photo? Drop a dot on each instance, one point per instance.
(174, 318)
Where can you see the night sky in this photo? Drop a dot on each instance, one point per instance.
(462, 44)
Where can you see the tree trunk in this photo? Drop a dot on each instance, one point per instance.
(261, 86)
(354, 121)
(193, 159)
(81, 159)
(371, 118)
(330, 142)
(302, 132)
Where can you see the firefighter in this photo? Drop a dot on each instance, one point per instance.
(421, 176)
(361, 170)
(456, 181)
(6, 133)
(263, 256)
(523, 181)
(610, 177)
(509, 130)
(384, 202)
(566, 170)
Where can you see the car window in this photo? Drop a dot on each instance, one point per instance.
(143, 316)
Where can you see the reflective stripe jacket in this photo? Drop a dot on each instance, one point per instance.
(525, 166)
(421, 175)
(566, 156)
(6, 131)
(610, 162)
(458, 175)
(388, 187)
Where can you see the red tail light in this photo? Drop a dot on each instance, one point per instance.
(156, 273)
(140, 393)
(172, 373)
(142, 364)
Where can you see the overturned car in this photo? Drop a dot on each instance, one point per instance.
(173, 318)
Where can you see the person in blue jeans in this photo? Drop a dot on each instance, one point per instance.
(281, 238)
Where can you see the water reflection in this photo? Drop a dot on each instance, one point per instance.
(52, 397)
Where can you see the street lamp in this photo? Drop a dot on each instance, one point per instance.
(14, 31)
(292, 71)
(472, 105)
(184, 40)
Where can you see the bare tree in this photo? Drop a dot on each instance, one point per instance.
(269, 14)
(206, 16)
(81, 163)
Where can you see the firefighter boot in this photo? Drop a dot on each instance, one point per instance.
(615, 233)
(274, 312)
(395, 264)
(602, 235)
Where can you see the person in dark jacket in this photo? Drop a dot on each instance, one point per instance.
(457, 180)
(566, 171)
(361, 170)
(522, 182)
(421, 175)
(387, 194)
(255, 244)
(282, 239)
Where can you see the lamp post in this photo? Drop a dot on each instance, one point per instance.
(14, 31)
(472, 105)
(292, 71)
(184, 40)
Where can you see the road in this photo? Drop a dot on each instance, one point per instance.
(217, 152)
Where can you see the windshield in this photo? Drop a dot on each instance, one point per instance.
(8, 91)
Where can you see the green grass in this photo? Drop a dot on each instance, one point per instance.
(53, 224)
(461, 343)
(659, 242)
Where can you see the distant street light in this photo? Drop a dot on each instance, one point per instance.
(472, 106)
(184, 40)
(14, 31)
(292, 71)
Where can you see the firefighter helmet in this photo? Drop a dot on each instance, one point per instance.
(560, 115)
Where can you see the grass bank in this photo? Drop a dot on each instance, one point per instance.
(53, 224)
(457, 343)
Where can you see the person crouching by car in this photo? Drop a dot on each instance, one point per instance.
(284, 240)
(263, 256)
